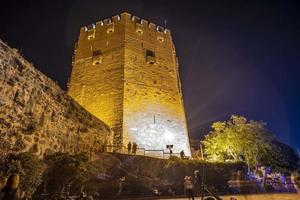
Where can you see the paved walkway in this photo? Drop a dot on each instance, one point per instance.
(280, 196)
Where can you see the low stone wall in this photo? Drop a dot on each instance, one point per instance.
(37, 115)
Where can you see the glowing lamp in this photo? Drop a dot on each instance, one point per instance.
(168, 135)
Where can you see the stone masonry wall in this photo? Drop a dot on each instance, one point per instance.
(99, 87)
(37, 115)
(154, 114)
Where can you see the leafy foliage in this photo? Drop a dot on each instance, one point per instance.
(282, 158)
(238, 140)
(28, 166)
(68, 173)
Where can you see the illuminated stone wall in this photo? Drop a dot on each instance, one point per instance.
(135, 92)
(99, 87)
(37, 115)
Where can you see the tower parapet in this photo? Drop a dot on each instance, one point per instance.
(107, 25)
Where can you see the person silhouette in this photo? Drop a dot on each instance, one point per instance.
(129, 147)
(134, 148)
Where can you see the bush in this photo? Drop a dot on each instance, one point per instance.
(28, 166)
(67, 173)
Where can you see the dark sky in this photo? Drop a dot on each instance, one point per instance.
(236, 57)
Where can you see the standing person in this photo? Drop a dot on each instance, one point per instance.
(182, 155)
(197, 182)
(11, 190)
(189, 187)
(129, 147)
(134, 147)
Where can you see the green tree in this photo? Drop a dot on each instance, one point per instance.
(238, 139)
(282, 158)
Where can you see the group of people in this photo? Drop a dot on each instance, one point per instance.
(190, 185)
(131, 148)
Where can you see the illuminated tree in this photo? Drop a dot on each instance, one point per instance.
(238, 140)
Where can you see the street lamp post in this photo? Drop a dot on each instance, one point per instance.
(203, 186)
(203, 173)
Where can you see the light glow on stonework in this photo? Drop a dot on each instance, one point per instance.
(168, 135)
(154, 130)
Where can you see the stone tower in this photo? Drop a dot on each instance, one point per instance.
(125, 72)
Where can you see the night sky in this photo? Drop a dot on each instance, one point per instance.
(236, 57)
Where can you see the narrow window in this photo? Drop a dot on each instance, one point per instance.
(97, 57)
(110, 30)
(91, 36)
(150, 57)
(150, 53)
(139, 31)
(160, 39)
(96, 53)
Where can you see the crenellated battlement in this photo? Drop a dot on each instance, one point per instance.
(140, 23)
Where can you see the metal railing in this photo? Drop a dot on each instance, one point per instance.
(160, 153)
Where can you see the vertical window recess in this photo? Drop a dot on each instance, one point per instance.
(97, 57)
(150, 57)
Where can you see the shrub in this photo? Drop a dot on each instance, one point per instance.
(28, 166)
(67, 173)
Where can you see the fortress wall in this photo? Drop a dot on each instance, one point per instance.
(37, 115)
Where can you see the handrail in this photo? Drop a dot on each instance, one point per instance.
(163, 152)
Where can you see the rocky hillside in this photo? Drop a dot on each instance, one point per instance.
(37, 115)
